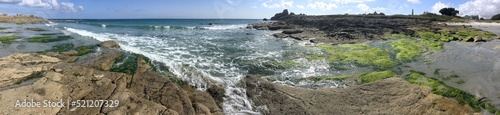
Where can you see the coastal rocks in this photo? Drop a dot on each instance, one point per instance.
(478, 38)
(389, 96)
(109, 44)
(20, 67)
(292, 31)
(105, 61)
(145, 92)
(280, 35)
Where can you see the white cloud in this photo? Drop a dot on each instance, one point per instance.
(438, 6)
(278, 4)
(48, 4)
(70, 7)
(365, 8)
(483, 8)
(322, 6)
(350, 1)
(414, 1)
(10, 1)
(300, 6)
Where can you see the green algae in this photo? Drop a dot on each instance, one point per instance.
(8, 39)
(4, 28)
(365, 77)
(125, 64)
(36, 29)
(375, 76)
(409, 49)
(363, 54)
(46, 39)
(440, 88)
(82, 50)
(338, 77)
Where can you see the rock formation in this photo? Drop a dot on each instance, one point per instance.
(41, 77)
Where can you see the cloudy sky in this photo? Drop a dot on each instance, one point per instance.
(255, 9)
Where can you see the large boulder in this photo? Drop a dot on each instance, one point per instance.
(109, 44)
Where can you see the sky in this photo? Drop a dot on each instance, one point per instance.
(234, 9)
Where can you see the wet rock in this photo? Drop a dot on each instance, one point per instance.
(478, 38)
(388, 96)
(109, 44)
(292, 31)
(71, 52)
(280, 35)
(278, 27)
(145, 92)
(298, 37)
(217, 92)
(104, 61)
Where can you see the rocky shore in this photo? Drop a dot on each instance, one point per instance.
(143, 86)
(341, 29)
(43, 77)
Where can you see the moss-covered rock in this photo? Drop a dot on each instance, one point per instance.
(127, 63)
(363, 54)
(375, 76)
(36, 29)
(4, 28)
(409, 49)
(47, 38)
(440, 88)
(7, 39)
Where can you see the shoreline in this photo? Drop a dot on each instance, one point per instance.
(208, 102)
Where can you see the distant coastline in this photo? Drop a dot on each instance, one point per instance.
(21, 19)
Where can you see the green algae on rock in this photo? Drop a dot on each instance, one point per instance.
(4, 28)
(127, 63)
(365, 77)
(36, 29)
(409, 49)
(363, 54)
(47, 38)
(375, 76)
(440, 88)
(7, 39)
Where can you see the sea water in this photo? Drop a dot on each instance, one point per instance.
(204, 51)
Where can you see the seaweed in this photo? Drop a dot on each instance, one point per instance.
(46, 39)
(125, 64)
(375, 76)
(36, 29)
(440, 88)
(362, 54)
(8, 39)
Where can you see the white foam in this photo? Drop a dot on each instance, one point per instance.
(103, 25)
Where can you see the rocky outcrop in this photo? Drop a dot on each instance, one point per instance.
(19, 67)
(280, 16)
(109, 44)
(144, 92)
(389, 96)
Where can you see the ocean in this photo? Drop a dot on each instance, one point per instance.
(201, 51)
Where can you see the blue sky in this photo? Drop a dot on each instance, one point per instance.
(255, 9)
